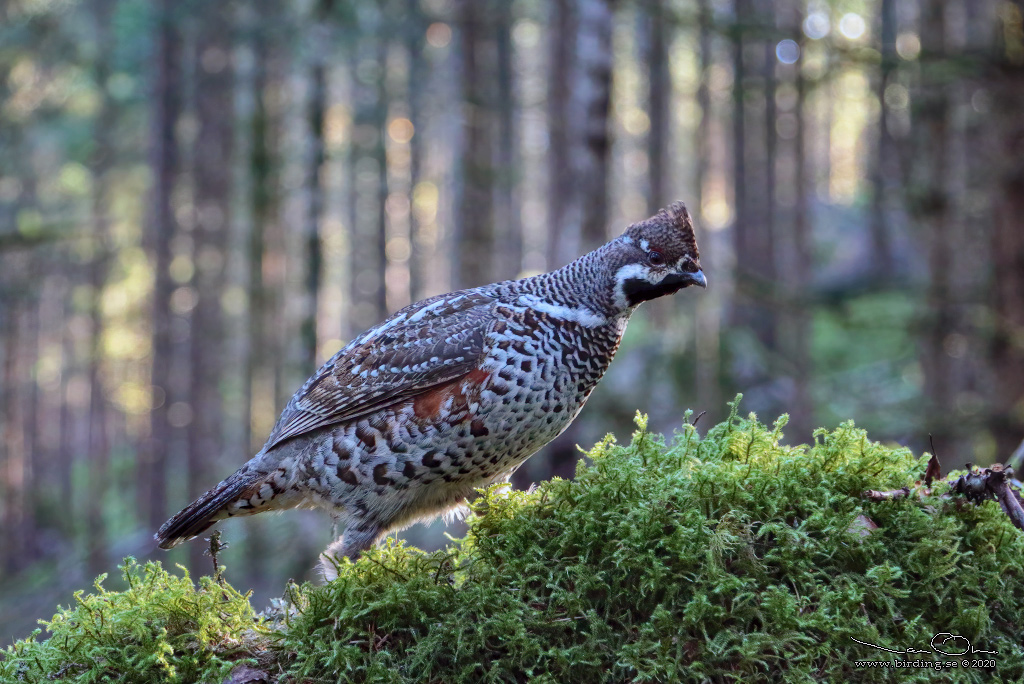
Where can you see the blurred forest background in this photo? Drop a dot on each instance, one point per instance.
(202, 201)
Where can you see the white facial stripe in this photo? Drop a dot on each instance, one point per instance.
(639, 272)
(645, 245)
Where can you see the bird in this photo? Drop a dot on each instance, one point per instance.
(450, 394)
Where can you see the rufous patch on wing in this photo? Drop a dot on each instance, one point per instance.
(428, 405)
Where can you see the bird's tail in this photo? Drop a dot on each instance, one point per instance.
(212, 506)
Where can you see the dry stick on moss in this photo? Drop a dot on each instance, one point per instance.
(932, 472)
(216, 546)
(65, 669)
(875, 495)
(934, 469)
(1010, 499)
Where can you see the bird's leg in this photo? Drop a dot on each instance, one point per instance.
(351, 544)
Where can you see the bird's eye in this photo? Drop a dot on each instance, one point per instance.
(655, 258)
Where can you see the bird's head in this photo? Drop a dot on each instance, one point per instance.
(656, 257)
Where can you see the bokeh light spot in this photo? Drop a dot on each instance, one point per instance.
(908, 46)
(401, 130)
(852, 25)
(788, 51)
(816, 25)
(439, 34)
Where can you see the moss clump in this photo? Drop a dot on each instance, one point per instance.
(161, 629)
(727, 558)
(723, 558)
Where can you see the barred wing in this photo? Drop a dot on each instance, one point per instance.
(424, 345)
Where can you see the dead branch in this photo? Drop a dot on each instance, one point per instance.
(875, 495)
(934, 469)
(977, 485)
(992, 483)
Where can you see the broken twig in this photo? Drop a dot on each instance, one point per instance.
(875, 495)
(978, 485)
(934, 469)
(216, 546)
(992, 483)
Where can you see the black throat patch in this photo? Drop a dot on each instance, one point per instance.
(638, 290)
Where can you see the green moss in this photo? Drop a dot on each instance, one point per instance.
(161, 629)
(727, 557)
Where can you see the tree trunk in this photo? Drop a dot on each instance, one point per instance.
(932, 207)
(800, 330)
(509, 234)
(592, 90)
(797, 267)
(709, 319)
(101, 163)
(12, 454)
(165, 165)
(474, 252)
(212, 173)
(659, 99)
(257, 369)
(563, 216)
(420, 253)
(66, 449)
(321, 38)
(752, 182)
(742, 226)
(579, 132)
(380, 155)
(366, 168)
(1007, 350)
(32, 456)
(882, 258)
(767, 243)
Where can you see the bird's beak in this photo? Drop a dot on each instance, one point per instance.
(698, 278)
(678, 280)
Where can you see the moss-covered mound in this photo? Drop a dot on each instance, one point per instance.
(722, 558)
(162, 628)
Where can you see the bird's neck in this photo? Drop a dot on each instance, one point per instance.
(582, 290)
